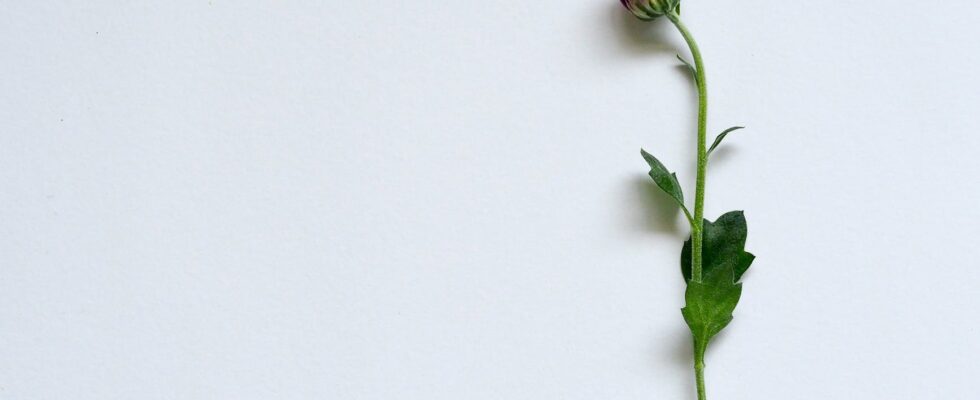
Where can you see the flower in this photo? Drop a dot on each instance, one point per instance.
(650, 9)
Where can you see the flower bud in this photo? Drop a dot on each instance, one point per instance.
(650, 9)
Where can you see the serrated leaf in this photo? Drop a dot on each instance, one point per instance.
(723, 247)
(691, 68)
(665, 180)
(721, 136)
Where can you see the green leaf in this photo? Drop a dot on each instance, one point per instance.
(723, 247)
(666, 180)
(710, 305)
(694, 71)
(710, 302)
(721, 137)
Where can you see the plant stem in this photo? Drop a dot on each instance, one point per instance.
(697, 228)
(699, 368)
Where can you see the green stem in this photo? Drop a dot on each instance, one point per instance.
(697, 228)
(699, 368)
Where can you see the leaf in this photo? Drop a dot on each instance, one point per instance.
(709, 306)
(723, 247)
(710, 303)
(694, 71)
(666, 180)
(721, 137)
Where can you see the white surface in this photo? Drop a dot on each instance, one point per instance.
(445, 200)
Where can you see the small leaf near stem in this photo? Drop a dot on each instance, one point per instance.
(721, 136)
(694, 71)
(666, 181)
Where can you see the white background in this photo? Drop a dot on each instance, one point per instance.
(445, 200)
